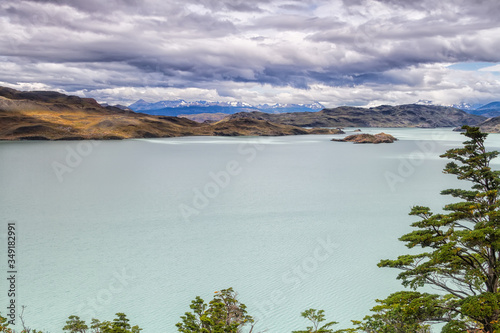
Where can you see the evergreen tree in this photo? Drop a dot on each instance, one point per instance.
(119, 325)
(316, 317)
(75, 325)
(460, 248)
(224, 314)
(403, 312)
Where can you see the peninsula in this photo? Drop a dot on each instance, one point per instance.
(48, 115)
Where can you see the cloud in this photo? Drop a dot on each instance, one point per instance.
(370, 50)
(495, 68)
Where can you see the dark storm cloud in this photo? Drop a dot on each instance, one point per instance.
(140, 6)
(198, 43)
(61, 34)
(295, 22)
(402, 40)
(234, 5)
(93, 6)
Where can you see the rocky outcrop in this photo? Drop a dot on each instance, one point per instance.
(491, 125)
(368, 138)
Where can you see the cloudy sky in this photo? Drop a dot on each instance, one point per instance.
(337, 52)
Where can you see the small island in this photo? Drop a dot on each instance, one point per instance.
(368, 138)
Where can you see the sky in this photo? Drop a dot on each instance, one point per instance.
(336, 52)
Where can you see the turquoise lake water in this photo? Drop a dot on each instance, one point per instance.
(144, 226)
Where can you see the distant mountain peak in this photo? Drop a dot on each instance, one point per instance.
(313, 106)
(180, 106)
(424, 102)
(138, 105)
(489, 106)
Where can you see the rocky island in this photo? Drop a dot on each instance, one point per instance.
(368, 138)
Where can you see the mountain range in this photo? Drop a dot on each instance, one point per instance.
(49, 115)
(192, 110)
(181, 107)
(489, 110)
(410, 115)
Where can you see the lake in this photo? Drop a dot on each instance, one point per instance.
(145, 226)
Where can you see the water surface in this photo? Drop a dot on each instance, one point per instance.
(144, 226)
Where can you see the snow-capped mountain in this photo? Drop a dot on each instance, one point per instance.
(178, 107)
(489, 110)
(142, 105)
(424, 102)
(467, 106)
(462, 106)
(316, 106)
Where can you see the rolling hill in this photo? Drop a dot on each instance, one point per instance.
(47, 115)
(410, 115)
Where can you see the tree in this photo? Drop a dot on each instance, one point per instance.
(316, 317)
(75, 325)
(95, 326)
(224, 314)
(403, 312)
(119, 325)
(26, 329)
(4, 325)
(460, 248)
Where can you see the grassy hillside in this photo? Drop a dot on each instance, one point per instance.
(54, 116)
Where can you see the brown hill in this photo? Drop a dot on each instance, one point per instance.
(411, 115)
(491, 125)
(204, 117)
(53, 116)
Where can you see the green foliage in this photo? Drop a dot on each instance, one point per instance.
(462, 246)
(95, 326)
(484, 305)
(4, 325)
(403, 312)
(224, 314)
(119, 325)
(316, 317)
(455, 326)
(75, 325)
